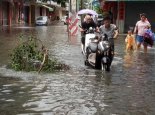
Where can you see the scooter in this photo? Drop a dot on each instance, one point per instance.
(106, 52)
(98, 53)
(90, 35)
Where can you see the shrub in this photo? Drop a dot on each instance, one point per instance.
(32, 55)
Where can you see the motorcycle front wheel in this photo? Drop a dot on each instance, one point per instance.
(98, 61)
(105, 66)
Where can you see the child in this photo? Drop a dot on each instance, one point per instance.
(130, 41)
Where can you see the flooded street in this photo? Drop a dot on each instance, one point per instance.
(128, 89)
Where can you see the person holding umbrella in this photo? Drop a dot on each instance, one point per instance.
(85, 26)
(86, 12)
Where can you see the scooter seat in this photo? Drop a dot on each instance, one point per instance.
(93, 46)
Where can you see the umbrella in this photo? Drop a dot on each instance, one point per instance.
(87, 11)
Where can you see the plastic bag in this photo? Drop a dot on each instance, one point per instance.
(153, 36)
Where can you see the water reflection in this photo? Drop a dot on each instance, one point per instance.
(128, 59)
(129, 89)
(104, 77)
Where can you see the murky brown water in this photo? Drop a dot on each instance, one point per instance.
(129, 89)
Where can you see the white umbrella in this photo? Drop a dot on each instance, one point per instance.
(87, 11)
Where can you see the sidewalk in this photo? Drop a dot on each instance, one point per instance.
(57, 22)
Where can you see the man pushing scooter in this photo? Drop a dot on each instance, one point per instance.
(111, 31)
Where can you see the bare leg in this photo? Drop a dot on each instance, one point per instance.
(145, 48)
(138, 46)
(135, 44)
(82, 48)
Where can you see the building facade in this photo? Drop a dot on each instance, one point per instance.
(25, 11)
(10, 11)
(125, 13)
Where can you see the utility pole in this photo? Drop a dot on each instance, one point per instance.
(82, 17)
(118, 14)
(76, 5)
(70, 5)
(68, 16)
(81, 4)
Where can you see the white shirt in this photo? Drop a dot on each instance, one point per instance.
(140, 27)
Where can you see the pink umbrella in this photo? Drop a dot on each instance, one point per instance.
(87, 11)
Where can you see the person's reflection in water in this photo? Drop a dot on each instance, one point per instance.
(128, 59)
(104, 77)
(6, 30)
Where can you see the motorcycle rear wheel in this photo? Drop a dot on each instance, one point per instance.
(86, 63)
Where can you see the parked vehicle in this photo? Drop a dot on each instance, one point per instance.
(42, 20)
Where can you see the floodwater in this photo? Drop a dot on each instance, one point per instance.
(128, 89)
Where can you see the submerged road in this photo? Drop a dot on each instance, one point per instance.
(128, 89)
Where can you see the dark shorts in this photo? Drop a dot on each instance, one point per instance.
(83, 39)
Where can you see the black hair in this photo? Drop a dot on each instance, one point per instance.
(107, 18)
(142, 14)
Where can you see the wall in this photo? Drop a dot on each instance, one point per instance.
(32, 14)
(37, 11)
(44, 11)
(5, 13)
(133, 9)
(0, 13)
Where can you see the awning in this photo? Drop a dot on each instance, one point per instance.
(50, 9)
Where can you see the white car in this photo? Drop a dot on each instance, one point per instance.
(42, 20)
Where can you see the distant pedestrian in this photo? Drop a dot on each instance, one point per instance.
(22, 18)
(140, 30)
